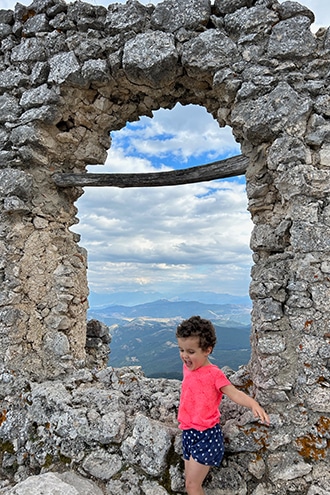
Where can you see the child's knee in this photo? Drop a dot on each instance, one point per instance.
(192, 485)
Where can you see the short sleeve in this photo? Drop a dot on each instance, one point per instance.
(221, 380)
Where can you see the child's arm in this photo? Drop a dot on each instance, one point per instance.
(245, 400)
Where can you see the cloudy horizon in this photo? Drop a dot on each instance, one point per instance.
(168, 239)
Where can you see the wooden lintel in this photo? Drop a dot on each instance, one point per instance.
(230, 167)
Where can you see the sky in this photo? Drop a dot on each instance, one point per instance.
(169, 240)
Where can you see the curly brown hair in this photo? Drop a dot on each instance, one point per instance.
(195, 326)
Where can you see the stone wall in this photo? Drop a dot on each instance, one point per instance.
(72, 73)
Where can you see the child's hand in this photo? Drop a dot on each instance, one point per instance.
(245, 400)
(260, 413)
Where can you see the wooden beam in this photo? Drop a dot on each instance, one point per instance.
(222, 169)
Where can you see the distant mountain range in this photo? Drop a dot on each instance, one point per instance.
(97, 300)
(144, 334)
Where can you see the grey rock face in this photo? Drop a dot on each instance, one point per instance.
(285, 42)
(9, 109)
(63, 67)
(171, 15)
(51, 483)
(151, 58)
(123, 18)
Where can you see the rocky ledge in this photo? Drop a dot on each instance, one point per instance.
(114, 431)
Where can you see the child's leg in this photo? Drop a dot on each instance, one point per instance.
(195, 474)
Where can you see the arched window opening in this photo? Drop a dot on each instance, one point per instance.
(183, 243)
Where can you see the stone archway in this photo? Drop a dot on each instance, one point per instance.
(74, 72)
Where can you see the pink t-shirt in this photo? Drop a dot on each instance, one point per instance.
(200, 397)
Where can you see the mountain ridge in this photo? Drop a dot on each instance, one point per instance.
(132, 298)
(144, 334)
(162, 308)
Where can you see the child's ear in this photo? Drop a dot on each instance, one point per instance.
(209, 350)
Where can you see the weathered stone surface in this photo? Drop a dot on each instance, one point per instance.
(89, 416)
(10, 79)
(38, 96)
(47, 484)
(15, 182)
(283, 467)
(148, 446)
(64, 67)
(257, 468)
(319, 400)
(208, 52)
(29, 50)
(9, 109)
(6, 16)
(70, 74)
(263, 118)
(135, 483)
(285, 42)
(250, 20)
(102, 465)
(170, 15)
(97, 70)
(151, 59)
(121, 18)
(36, 24)
(86, 16)
(82, 485)
(39, 73)
(227, 6)
(55, 483)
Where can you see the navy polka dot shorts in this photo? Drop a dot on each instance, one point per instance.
(205, 447)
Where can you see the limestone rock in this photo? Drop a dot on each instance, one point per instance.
(170, 15)
(55, 484)
(151, 58)
(148, 446)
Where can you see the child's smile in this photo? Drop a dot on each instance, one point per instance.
(191, 354)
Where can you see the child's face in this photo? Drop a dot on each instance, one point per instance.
(191, 354)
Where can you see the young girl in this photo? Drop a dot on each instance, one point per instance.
(202, 389)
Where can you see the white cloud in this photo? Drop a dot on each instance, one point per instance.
(172, 225)
(171, 280)
(183, 132)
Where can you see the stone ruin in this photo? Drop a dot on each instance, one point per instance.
(70, 74)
